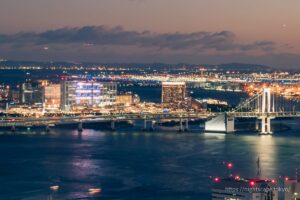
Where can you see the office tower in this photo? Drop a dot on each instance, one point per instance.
(173, 94)
(31, 93)
(51, 96)
(68, 94)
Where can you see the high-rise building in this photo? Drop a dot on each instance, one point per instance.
(4, 92)
(76, 93)
(173, 94)
(14, 95)
(31, 93)
(51, 96)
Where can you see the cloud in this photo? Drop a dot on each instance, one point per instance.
(116, 44)
(118, 36)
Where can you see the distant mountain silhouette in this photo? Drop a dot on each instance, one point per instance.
(241, 67)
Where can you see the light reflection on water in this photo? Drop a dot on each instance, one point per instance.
(266, 151)
(137, 165)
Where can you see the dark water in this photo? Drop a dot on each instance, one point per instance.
(134, 165)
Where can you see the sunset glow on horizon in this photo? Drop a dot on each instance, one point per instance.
(264, 32)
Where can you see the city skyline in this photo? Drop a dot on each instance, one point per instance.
(149, 99)
(144, 31)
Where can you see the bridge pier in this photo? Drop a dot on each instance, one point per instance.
(47, 128)
(153, 125)
(80, 127)
(181, 125)
(229, 123)
(222, 123)
(269, 125)
(145, 125)
(13, 128)
(131, 122)
(265, 125)
(186, 125)
(112, 125)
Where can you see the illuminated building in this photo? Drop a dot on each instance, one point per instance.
(4, 91)
(87, 94)
(136, 99)
(241, 189)
(43, 83)
(14, 95)
(126, 99)
(51, 95)
(31, 93)
(173, 94)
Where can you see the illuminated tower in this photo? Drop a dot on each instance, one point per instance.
(266, 108)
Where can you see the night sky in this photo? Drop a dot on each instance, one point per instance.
(171, 31)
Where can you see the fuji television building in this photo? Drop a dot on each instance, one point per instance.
(79, 93)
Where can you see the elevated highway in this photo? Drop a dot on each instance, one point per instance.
(52, 121)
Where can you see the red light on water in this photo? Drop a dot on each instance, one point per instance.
(216, 179)
(252, 183)
(229, 165)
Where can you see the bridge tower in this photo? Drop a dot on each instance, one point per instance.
(265, 108)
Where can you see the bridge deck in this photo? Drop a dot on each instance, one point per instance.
(44, 121)
(259, 114)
